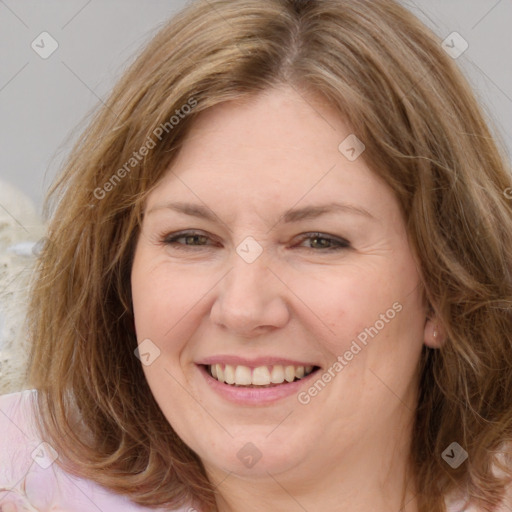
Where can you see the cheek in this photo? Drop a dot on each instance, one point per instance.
(347, 304)
(161, 297)
(342, 302)
(171, 307)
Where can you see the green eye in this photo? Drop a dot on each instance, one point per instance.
(195, 239)
(187, 239)
(321, 241)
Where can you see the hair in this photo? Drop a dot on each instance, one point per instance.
(426, 136)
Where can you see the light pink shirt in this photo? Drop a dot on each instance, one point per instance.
(29, 481)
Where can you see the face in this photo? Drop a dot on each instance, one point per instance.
(268, 256)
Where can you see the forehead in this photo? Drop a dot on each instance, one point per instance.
(269, 151)
(277, 123)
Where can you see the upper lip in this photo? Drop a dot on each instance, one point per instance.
(253, 363)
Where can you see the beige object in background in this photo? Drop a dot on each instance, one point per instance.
(20, 230)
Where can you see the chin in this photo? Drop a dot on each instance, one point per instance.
(254, 455)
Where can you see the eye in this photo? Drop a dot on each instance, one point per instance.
(184, 239)
(196, 239)
(322, 241)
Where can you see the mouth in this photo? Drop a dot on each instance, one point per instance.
(258, 377)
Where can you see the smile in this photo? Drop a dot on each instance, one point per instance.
(260, 376)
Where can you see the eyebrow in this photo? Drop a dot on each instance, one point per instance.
(290, 216)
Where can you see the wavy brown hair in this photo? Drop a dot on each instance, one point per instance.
(425, 134)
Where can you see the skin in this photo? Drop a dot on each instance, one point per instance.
(249, 162)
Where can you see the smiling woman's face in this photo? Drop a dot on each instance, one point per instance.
(266, 248)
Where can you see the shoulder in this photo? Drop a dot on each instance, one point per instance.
(30, 479)
(17, 434)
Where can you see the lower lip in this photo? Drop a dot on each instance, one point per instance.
(254, 396)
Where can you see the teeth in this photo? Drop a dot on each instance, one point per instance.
(243, 376)
(229, 374)
(289, 373)
(219, 371)
(277, 376)
(261, 376)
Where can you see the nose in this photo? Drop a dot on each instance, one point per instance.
(250, 299)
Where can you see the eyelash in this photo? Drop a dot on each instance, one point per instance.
(172, 239)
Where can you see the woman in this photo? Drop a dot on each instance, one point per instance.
(278, 276)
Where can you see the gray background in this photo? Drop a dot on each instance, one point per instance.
(43, 103)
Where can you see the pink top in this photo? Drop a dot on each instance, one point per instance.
(29, 481)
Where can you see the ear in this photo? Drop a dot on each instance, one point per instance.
(434, 335)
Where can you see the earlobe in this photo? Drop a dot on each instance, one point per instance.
(434, 335)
